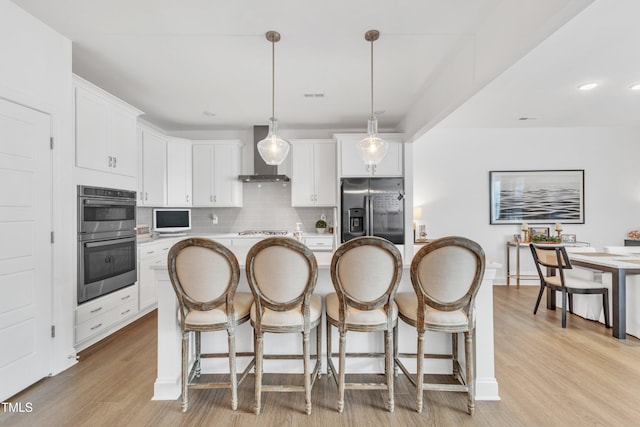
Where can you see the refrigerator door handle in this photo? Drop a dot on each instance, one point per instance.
(366, 215)
(369, 214)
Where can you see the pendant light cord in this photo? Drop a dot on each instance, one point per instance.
(371, 78)
(273, 78)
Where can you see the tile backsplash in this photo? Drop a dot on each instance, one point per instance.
(266, 206)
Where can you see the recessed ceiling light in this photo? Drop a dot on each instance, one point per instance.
(209, 113)
(635, 86)
(588, 86)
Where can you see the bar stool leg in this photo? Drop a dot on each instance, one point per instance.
(258, 368)
(388, 355)
(341, 368)
(232, 369)
(185, 374)
(419, 373)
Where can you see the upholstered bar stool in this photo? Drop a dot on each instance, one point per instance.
(446, 275)
(365, 272)
(282, 275)
(205, 275)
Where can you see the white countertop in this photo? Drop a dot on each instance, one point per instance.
(147, 240)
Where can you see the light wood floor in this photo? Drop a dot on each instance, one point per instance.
(579, 376)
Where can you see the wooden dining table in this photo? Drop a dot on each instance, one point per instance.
(620, 266)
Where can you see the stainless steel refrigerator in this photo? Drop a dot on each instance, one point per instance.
(373, 207)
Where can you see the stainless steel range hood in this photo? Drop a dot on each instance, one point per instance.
(262, 172)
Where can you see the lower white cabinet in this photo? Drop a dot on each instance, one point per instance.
(102, 314)
(320, 243)
(149, 255)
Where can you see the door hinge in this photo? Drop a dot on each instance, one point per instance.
(53, 331)
(51, 143)
(53, 237)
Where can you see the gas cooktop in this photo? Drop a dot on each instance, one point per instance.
(263, 233)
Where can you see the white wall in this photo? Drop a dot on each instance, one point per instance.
(36, 72)
(451, 180)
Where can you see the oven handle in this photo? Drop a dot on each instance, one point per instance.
(108, 242)
(109, 202)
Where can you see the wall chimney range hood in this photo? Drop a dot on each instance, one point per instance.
(262, 172)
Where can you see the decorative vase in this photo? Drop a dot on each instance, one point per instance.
(321, 230)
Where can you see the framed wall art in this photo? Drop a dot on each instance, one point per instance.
(536, 196)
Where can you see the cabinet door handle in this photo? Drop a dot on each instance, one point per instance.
(215, 199)
(211, 198)
(375, 168)
(368, 169)
(125, 312)
(125, 297)
(110, 161)
(96, 310)
(311, 197)
(187, 198)
(146, 195)
(115, 162)
(96, 327)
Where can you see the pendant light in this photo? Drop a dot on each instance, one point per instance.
(273, 149)
(372, 148)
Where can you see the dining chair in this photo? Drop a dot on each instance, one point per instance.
(555, 262)
(205, 275)
(282, 274)
(365, 272)
(446, 275)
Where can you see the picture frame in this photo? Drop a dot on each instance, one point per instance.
(568, 238)
(534, 231)
(536, 196)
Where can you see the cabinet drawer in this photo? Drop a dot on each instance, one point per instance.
(97, 307)
(319, 243)
(104, 321)
(155, 250)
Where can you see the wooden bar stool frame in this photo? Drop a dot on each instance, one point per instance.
(303, 301)
(466, 303)
(385, 301)
(186, 304)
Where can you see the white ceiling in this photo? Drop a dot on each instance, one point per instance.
(599, 45)
(174, 60)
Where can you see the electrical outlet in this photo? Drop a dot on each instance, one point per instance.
(214, 219)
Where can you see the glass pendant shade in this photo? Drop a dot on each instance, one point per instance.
(273, 149)
(372, 148)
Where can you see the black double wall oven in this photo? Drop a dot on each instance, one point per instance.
(106, 241)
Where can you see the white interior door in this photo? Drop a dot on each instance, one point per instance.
(25, 251)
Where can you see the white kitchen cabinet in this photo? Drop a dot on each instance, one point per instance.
(151, 254)
(352, 165)
(319, 243)
(152, 177)
(216, 166)
(105, 131)
(102, 315)
(313, 178)
(178, 172)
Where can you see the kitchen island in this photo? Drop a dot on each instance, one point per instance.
(167, 384)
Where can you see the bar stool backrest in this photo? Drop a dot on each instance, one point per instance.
(366, 271)
(446, 273)
(282, 273)
(203, 273)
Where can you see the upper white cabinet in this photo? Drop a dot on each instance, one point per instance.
(352, 165)
(216, 166)
(105, 131)
(178, 172)
(313, 178)
(152, 177)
